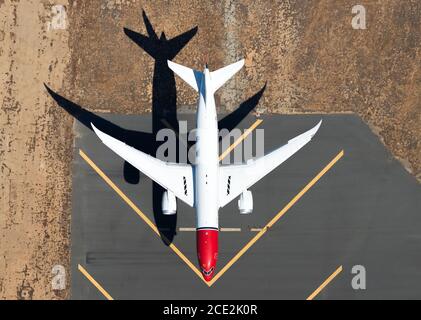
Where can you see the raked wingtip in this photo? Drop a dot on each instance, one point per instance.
(316, 128)
(97, 131)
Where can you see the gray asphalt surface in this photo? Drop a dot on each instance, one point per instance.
(365, 211)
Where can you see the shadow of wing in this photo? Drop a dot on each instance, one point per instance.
(142, 141)
(233, 119)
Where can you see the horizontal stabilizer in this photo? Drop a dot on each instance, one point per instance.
(191, 76)
(220, 76)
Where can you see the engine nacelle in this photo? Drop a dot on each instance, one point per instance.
(245, 203)
(169, 203)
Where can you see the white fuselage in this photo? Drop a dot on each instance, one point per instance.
(206, 167)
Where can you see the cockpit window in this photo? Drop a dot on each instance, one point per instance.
(207, 273)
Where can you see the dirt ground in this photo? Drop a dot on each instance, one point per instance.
(307, 52)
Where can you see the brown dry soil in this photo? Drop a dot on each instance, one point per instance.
(307, 51)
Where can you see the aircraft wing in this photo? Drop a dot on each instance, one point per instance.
(234, 179)
(177, 178)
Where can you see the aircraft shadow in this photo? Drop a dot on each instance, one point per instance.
(164, 113)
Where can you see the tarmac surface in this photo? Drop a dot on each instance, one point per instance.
(366, 210)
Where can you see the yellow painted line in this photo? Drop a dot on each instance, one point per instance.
(276, 218)
(246, 247)
(140, 213)
(188, 262)
(94, 282)
(325, 283)
(241, 138)
(119, 192)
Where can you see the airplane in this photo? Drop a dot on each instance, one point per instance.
(206, 185)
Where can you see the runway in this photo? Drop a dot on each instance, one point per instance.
(365, 210)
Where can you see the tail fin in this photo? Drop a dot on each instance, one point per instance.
(191, 76)
(220, 76)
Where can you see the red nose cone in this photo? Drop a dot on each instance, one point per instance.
(207, 251)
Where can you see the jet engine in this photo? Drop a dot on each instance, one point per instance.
(169, 203)
(245, 203)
